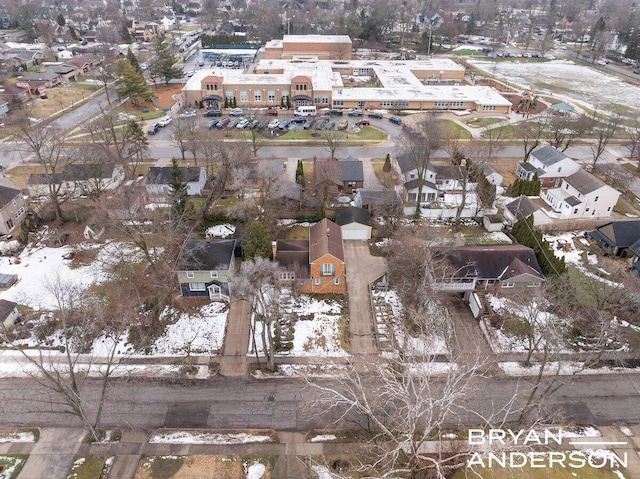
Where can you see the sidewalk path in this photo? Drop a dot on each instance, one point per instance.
(236, 342)
(52, 455)
(362, 269)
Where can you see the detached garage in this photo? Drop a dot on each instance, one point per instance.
(355, 223)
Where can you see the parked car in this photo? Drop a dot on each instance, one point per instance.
(284, 125)
(335, 112)
(636, 71)
(273, 124)
(343, 125)
(153, 129)
(376, 114)
(298, 120)
(355, 112)
(363, 122)
(213, 112)
(395, 119)
(212, 124)
(232, 124)
(237, 112)
(164, 121)
(188, 114)
(242, 124)
(271, 112)
(223, 122)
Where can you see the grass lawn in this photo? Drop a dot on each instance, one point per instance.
(482, 122)
(295, 232)
(453, 130)
(11, 465)
(202, 467)
(366, 133)
(87, 467)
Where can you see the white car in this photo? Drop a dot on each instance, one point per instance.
(164, 121)
(273, 124)
(237, 112)
(242, 124)
(188, 114)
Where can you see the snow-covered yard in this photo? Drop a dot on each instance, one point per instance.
(563, 78)
(195, 437)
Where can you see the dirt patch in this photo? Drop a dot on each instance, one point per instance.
(202, 467)
(164, 94)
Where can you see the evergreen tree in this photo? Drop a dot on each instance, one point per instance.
(387, 164)
(60, 20)
(166, 61)
(299, 173)
(132, 83)
(178, 187)
(525, 233)
(233, 103)
(226, 102)
(257, 240)
(133, 60)
(125, 35)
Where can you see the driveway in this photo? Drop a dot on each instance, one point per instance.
(362, 269)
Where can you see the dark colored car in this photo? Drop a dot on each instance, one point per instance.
(272, 112)
(355, 113)
(298, 119)
(153, 129)
(335, 112)
(375, 114)
(396, 120)
(212, 124)
(213, 112)
(363, 122)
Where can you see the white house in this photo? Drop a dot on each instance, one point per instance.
(159, 179)
(489, 172)
(549, 164)
(582, 195)
(523, 207)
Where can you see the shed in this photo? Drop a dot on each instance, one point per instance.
(9, 314)
(7, 280)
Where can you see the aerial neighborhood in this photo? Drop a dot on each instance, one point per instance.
(317, 229)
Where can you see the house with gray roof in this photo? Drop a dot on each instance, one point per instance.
(523, 207)
(205, 267)
(9, 314)
(489, 172)
(13, 209)
(159, 179)
(502, 268)
(618, 238)
(355, 223)
(351, 174)
(77, 179)
(582, 196)
(549, 164)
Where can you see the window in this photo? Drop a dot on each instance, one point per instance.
(412, 176)
(316, 100)
(287, 275)
(587, 210)
(214, 274)
(317, 281)
(575, 211)
(509, 284)
(440, 104)
(402, 104)
(533, 284)
(271, 96)
(559, 169)
(327, 269)
(338, 103)
(15, 203)
(19, 213)
(325, 100)
(285, 93)
(596, 199)
(243, 95)
(9, 224)
(489, 108)
(191, 274)
(386, 104)
(229, 94)
(337, 281)
(197, 287)
(456, 104)
(257, 95)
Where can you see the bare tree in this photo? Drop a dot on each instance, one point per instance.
(604, 131)
(186, 136)
(256, 140)
(633, 140)
(420, 143)
(615, 175)
(562, 130)
(44, 144)
(326, 179)
(332, 140)
(531, 133)
(259, 283)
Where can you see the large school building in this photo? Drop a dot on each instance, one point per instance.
(317, 70)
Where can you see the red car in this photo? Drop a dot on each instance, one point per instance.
(272, 112)
(363, 122)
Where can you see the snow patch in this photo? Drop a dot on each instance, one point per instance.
(220, 231)
(186, 437)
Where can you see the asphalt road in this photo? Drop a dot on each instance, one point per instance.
(285, 404)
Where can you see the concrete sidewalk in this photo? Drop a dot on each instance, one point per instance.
(233, 361)
(53, 454)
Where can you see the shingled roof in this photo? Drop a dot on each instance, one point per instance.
(325, 237)
(161, 175)
(206, 255)
(548, 155)
(585, 182)
(522, 207)
(7, 194)
(622, 234)
(353, 215)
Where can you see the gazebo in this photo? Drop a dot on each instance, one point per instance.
(563, 107)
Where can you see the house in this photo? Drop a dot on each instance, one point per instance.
(14, 94)
(7, 280)
(159, 179)
(351, 174)
(489, 172)
(287, 197)
(13, 209)
(549, 164)
(501, 268)
(205, 267)
(83, 64)
(9, 314)
(523, 207)
(4, 109)
(355, 223)
(582, 196)
(618, 238)
(316, 265)
(493, 223)
(49, 77)
(77, 178)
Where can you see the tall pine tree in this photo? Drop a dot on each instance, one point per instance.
(178, 189)
(166, 62)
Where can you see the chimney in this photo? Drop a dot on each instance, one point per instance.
(274, 249)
